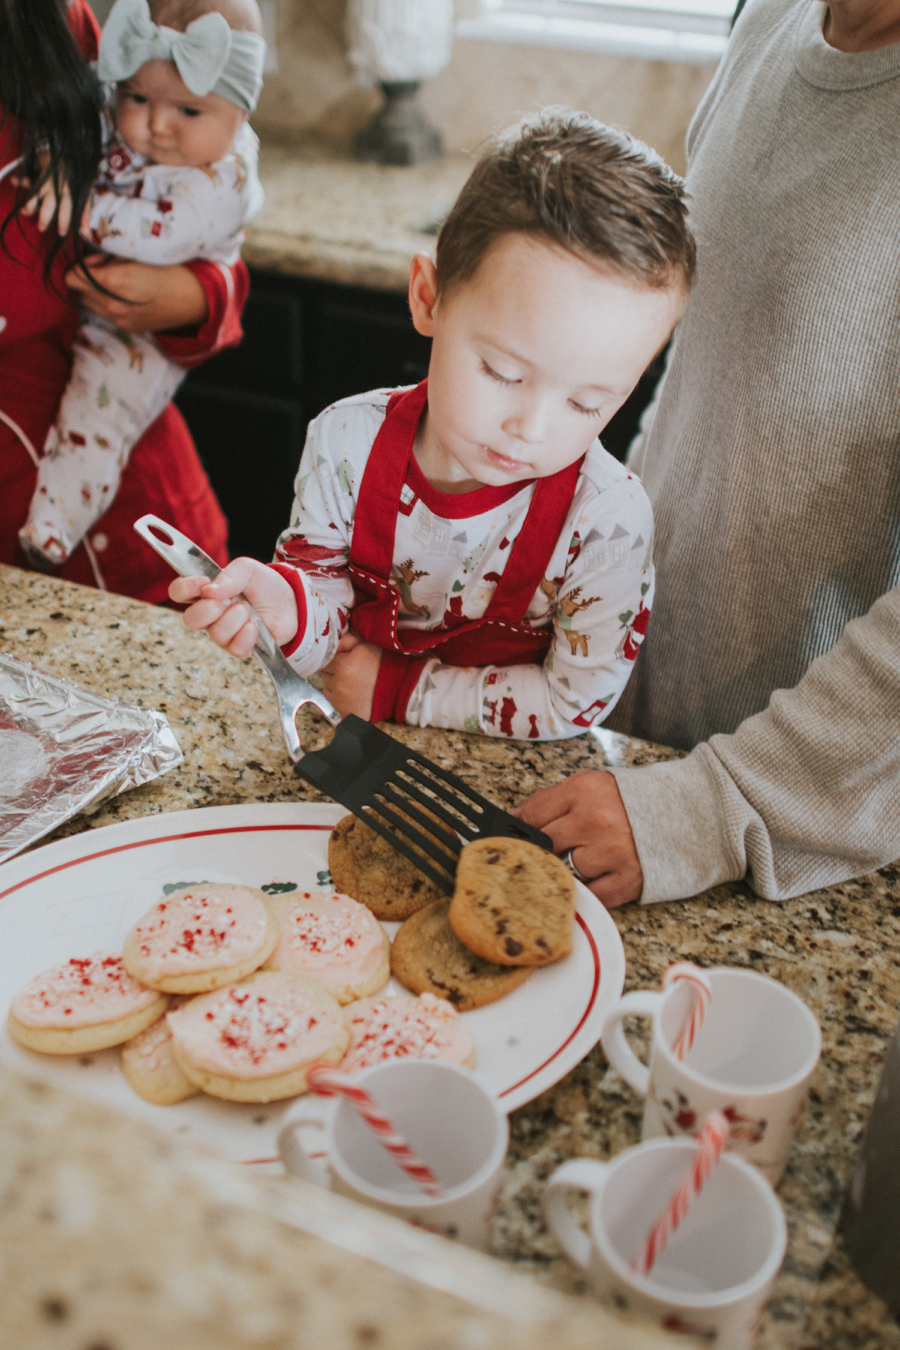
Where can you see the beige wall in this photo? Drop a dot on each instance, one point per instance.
(485, 86)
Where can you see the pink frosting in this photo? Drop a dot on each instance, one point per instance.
(81, 993)
(257, 1029)
(394, 1028)
(199, 929)
(328, 936)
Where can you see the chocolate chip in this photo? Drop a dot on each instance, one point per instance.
(500, 927)
(55, 1309)
(511, 947)
(493, 856)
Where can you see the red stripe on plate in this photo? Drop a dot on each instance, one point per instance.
(584, 1016)
(158, 839)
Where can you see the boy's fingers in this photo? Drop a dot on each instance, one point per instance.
(185, 589)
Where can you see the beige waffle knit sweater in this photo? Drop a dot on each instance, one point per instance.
(773, 464)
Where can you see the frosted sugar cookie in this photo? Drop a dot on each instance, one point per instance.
(406, 1028)
(333, 939)
(149, 1064)
(201, 938)
(254, 1041)
(513, 903)
(85, 1004)
(428, 957)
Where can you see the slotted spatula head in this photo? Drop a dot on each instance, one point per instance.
(395, 790)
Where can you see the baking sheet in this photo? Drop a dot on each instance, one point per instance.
(64, 749)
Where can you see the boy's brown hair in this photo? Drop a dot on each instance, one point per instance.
(580, 185)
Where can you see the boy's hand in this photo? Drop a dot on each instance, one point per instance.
(212, 605)
(585, 814)
(150, 299)
(349, 678)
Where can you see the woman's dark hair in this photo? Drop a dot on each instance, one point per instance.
(50, 95)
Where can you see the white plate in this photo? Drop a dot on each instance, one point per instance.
(82, 894)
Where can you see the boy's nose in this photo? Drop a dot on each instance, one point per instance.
(528, 421)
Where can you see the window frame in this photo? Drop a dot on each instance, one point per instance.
(691, 31)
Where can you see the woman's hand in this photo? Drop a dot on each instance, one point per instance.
(586, 814)
(349, 678)
(153, 299)
(212, 605)
(43, 205)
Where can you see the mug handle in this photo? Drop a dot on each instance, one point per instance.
(293, 1154)
(583, 1174)
(642, 1003)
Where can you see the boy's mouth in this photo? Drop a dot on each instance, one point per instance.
(504, 462)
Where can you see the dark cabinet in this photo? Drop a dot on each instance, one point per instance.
(306, 344)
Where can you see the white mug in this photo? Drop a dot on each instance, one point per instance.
(713, 1276)
(751, 1059)
(447, 1115)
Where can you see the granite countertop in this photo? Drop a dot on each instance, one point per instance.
(328, 216)
(837, 948)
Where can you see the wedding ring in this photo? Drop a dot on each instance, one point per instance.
(569, 861)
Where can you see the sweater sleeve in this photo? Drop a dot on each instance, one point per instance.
(804, 794)
(599, 617)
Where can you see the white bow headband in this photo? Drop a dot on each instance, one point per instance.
(209, 56)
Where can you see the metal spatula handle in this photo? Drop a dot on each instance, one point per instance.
(292, 690)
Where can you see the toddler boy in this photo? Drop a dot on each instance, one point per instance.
(466, 554)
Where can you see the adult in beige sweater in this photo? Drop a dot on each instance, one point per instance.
(773, 465)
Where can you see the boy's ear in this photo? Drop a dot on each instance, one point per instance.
(423, 294)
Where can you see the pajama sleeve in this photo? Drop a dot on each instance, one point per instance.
(804, 794)
(226, 290)
(316, 544)
(599, 617)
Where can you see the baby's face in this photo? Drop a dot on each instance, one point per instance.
(530, 359)
(158, 116)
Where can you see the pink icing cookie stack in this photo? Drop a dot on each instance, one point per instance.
(332, 939)
(200, 938)
(254, 1041)
(396, 1028)
(88, 1003)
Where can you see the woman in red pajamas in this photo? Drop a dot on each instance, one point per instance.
(193, 311)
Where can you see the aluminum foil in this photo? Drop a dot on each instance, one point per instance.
(65, 750)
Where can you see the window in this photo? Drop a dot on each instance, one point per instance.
(658, 30)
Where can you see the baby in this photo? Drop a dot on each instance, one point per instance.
(178, 181)
(465, 553)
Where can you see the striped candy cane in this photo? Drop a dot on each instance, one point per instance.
(326, 1081)
(701, 995)
(710, 1142)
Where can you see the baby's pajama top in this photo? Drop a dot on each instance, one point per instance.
(540, 652)
(120, 382)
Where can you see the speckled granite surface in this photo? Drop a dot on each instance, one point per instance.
(333, 218)
(837, 948)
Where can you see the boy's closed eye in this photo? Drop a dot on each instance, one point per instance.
(510, 380)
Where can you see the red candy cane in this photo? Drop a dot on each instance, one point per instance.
(710, 1142)
(701, 992)
(326, 1081)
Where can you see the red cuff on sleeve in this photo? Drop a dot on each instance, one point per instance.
(226, 292)
(398, 676)
(292, 577)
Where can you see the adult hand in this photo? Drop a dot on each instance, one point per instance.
(213, 605)
(349, 678)
(152, 299)
(586, 814)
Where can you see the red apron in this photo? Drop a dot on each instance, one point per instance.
(499, 637)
